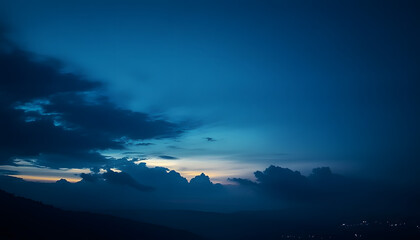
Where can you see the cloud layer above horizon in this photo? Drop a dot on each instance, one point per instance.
(61, 119)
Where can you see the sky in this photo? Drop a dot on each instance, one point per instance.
(220, 87)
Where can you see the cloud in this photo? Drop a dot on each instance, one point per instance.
(131, 187)
(201, 180)
(42, 137)
(102, 117)
(90, 177)
(168, 157)
(283, 182)
(62, 181)
(320, 185)
(144, 144)
(61, 119)
(158, 177)
(116, 178)
(243, 182)
(123, 178)
(23, 78)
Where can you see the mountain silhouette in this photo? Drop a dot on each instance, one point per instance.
(22, 218)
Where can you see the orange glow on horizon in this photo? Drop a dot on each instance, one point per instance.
(32, 178)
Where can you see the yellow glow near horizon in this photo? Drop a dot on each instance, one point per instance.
(29, 172)
(218, 169)
(34, 178)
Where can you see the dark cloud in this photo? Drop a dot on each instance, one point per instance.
(24, 78)
(60, 118)
(283, 182)
(144, 144)
(132, 187)
(243, 182)
(62, 181)
(90, 177)
(209, 139)
(30, 139)
(168, 157)
(201, 180)
(320, 185)
(123, 178)
(158, 177)
(117, 178)
(323, 189)
(103, 117)
(80, 159)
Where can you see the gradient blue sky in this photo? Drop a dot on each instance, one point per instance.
(299, 84)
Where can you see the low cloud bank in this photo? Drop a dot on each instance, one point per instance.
(127, 185)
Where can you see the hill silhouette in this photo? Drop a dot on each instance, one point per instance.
(304, 224)
(22, 218)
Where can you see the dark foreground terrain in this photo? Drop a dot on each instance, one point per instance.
(296, 224)
(22, 218)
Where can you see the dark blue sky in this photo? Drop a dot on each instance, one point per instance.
(299, 84)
